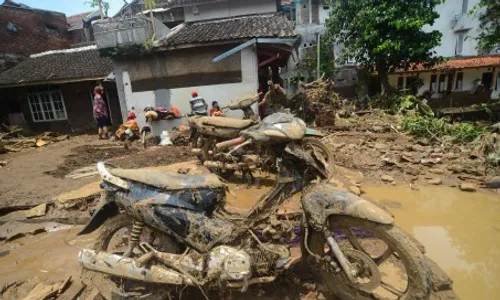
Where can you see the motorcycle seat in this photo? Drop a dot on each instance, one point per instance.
(166, 180)
(227, 122)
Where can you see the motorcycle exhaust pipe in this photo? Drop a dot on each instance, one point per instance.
(128, 268)
(230, 143)
(196, 150)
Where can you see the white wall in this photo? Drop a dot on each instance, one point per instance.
(179, 97)
(470, 75)
(451, 22)
(324, 13)
(231, 8)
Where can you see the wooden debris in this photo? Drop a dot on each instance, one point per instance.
(74, 291)
(42, 291)
(37, 211)
(64, 285)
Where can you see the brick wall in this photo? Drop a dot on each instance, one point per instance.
(32, 31)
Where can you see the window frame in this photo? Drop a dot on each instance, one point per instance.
(401, 82)
(52, 100)
(443, 82)
(461, 80)
(459, 49)
(497, 85)
(434, 80)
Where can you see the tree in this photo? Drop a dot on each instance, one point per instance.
(489, 18)
(386, 34)
(103, 6)
(150, 5)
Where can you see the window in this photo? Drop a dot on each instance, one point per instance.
(433, 86)
(487, 80)
(47, 106)
(497, 87)
(401, 83)
(460, 44)
(465, 4)
(460, 81)
(442, 83)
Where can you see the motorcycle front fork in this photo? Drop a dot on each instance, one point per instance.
(337, 253)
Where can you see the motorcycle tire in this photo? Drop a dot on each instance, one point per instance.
(418, 286)
(109, 286)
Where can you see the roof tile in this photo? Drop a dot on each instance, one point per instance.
(237, 28)
(58, 66)
(459, 63)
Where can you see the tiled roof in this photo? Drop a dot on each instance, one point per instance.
(237, 28)
(63, 65)
(76, 22)
(460, 63)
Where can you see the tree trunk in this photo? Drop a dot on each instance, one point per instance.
(383, 74)
(153, 23)
(100, 9)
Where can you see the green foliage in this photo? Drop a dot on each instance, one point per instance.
(489, 17)
(386, 34)
(309, 63)
(96, 3)
(148, 44)
(435, 128)
(149, 4)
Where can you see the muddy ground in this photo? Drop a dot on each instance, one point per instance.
(37, 175)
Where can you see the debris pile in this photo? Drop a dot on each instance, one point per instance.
(12, 139)
(318, 102)
(373, 144)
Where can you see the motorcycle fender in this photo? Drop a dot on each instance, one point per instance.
(102, 213)
(325, 200)
(313, 132)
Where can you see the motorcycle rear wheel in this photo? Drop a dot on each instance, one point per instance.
(108, 284)
(365, 236)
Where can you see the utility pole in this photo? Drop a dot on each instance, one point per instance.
(310, 12)
(318, 54)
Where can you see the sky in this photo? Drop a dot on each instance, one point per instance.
(70, 7)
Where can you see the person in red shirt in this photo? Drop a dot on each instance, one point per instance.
(215, 111)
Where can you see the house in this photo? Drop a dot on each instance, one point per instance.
(309, 17)
(80, 28)
(52, 91)
(25, 31)
(222, 48)
(468, 76)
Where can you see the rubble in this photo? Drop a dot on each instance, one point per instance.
(12, 139)
(493, 183)
(435, 181)
(467, 187)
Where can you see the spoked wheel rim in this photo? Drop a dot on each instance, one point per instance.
(113, 238)
(400, 274)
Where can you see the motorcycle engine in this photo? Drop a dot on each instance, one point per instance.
(229, 263)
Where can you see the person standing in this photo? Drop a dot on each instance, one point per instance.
(101, 114)
(198, 104)
(274, 100)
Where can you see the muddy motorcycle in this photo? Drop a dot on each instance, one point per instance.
(208, 132)
(160, 230)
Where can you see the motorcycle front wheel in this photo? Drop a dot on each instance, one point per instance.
(388, 263)
(113, 238)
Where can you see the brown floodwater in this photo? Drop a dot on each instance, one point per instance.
(460, 231)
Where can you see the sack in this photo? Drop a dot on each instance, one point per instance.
(165, 139)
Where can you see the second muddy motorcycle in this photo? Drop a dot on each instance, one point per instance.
(162, 230)
(209, 133)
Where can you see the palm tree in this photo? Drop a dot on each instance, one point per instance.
(151, 5)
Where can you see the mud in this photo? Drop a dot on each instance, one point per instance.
(460, 232)
(374, 145)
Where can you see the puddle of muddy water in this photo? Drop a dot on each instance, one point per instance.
(461, 232)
